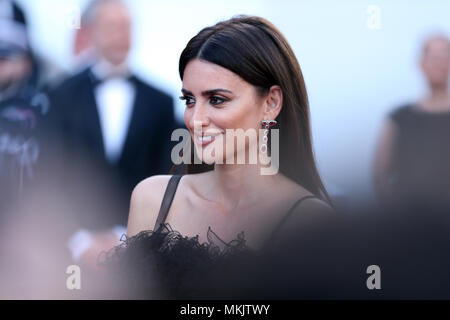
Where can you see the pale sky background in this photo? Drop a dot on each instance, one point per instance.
(355, 73)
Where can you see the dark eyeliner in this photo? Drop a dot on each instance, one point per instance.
(221, 99)
(187, 99)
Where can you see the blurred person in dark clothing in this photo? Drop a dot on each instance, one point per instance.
(113, 125)
(14, 28)
(26, 245)
(22, 105)
(413, 155)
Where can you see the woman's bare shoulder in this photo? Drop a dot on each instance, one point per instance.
(312, 215)
(147, 197)
(311, 211)
(316, 205)
(145, 203)
(152, 183)
(194, 182)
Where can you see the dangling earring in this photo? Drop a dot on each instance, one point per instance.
(266, 125)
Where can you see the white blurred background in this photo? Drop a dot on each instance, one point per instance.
(359, 60)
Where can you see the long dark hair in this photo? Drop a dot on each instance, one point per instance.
(255, 49)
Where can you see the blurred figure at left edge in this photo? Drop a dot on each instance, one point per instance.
(114, 131)
(23, 104)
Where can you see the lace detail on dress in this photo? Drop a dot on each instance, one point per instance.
(215, 241)
(166, 261)
(165, 240)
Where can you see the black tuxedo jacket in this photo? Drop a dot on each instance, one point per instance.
(146, 150)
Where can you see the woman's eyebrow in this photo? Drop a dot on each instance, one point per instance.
(207, 92)
(213, 91)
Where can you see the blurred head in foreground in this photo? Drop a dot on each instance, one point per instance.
(15, 57)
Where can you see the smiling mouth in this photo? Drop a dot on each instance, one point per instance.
(204, 140)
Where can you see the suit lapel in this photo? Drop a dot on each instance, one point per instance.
(91, 117)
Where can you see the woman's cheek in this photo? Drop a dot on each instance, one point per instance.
(187, 118)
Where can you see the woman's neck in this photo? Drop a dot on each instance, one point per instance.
(438, 100)
(239, 184)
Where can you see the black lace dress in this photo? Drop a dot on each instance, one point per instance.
(162, 263)
(165, 264)
(324, 260)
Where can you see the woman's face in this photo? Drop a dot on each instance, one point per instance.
(436, 62)
(216, 100)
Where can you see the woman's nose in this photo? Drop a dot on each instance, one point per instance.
(200, 116)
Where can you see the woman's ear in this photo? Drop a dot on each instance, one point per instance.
(273, 103)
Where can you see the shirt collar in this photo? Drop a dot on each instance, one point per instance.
(104, 70)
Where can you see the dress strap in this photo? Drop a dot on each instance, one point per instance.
(167, 200)
(289, 213)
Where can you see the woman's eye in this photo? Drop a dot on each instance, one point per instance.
(216, 100)
(189, 100)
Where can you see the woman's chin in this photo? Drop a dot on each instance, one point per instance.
(209, 161)
(208, 155)
(206, 158)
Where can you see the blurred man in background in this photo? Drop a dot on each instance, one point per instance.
(115, 131)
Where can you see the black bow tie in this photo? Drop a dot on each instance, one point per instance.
(96, 81)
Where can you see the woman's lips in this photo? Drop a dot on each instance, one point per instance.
(204, 140)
